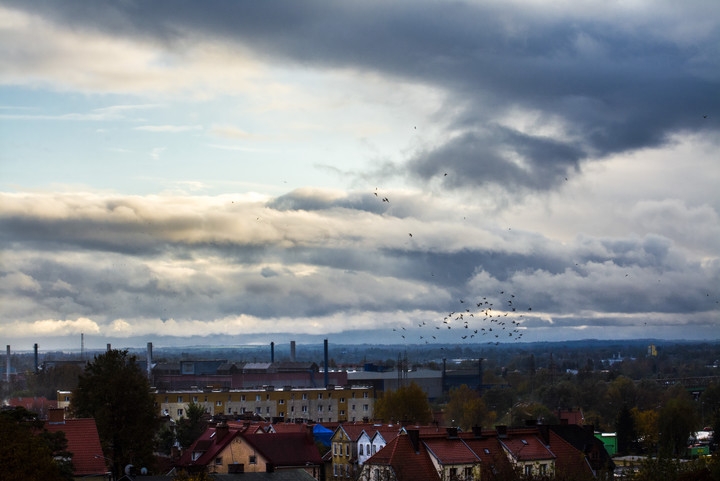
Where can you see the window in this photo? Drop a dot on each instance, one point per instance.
(304, 396)
(352, 408)
(281, 414)
(166, 398)
(468, 473)
(342, 412)
(229, 410)
(205, 398)
(229, 397)
(292, 409)
(365, 395)
(335, 469)
(319, 395)
(242, 398)
(252, 459)
(374, 449)
(329, 407)
(360, 450)
(67, 399)
(365, 407)
(257, 397)
(180, 399)
(347, 450)
(180, 412)
(258, 410)
(367, 449)
(218, 461)
(528, 470)
(194, 399)
(304, 409)
(218, 403)
(267, 410)
(353, 395)
(543, 469)
(242, 410)
(281, 401)
(342, 399)
(334, 449)
(319, 409)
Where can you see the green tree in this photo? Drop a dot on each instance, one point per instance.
(407, 404)
(115, 392)
(625, 429)
(676, 420)
(466, 408)
(191, 427)
(27, 451)
(646, 425)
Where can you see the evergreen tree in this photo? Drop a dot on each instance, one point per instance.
(115, 391)
(625, 429)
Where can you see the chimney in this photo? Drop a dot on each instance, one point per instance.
(272, 352)
(221, 430)
(501, 430)
(56, 415)
(414, 437)
(149, 361)
(36, 358)
(327, 381)
(292, 351)
(451, 432)
(477, 431)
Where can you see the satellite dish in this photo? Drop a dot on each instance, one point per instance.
(128, 469)
(143, 471)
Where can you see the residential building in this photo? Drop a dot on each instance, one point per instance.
(322, 405)
(228, 449)
(83, 442)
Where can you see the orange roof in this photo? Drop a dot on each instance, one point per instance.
(84, 443)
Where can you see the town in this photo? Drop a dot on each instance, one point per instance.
(519, 414)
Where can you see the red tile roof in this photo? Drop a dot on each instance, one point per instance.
(526, 447)
(285, 449)
(84, 443)
(408, 464)
(570, 461)
(209, 445)
(492, 455)
(450, 450)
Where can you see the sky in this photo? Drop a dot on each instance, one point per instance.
(362, 171)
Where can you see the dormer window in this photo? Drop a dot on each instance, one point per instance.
(196, 455)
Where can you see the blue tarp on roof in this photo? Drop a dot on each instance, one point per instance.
(322, 434)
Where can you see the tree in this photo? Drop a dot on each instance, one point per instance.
(27, 451)
(115, 392)
(676, 420)
(407, 404)
(625, 429)
(646, 425)
(466, 408)
(191, 427)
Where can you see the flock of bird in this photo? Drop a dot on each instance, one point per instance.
(482, 320)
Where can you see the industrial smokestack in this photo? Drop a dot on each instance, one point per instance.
(36, 358)
(327, 381)
(272, 352)
(149, 361)
(7, 373)
(292, 351)
(109, 347)
(82, 346)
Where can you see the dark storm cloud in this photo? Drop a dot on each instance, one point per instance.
(612, 82)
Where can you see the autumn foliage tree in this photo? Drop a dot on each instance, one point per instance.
(466, 408)
(409, 404)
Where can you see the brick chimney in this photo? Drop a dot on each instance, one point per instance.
(414, 437)
(56, 415)
(221, 430)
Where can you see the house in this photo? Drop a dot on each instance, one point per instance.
(404, 458)
(83, 442)
(526, 451)
(40, 405)
(494, 462)
(452, 457)
(230, 449)
(584, 440)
